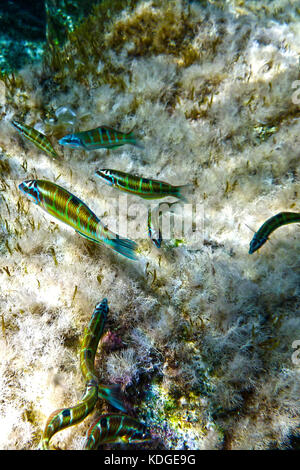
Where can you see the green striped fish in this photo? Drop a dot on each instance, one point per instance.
(102, 137)
(69, 209)
(36, 137)
(91, 338)
(261, 236)
(117, 428)
(66, 417)
(143, 187)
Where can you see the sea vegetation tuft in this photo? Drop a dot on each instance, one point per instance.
(153, 28)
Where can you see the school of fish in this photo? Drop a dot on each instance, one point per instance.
(110, 427)
(69, 209)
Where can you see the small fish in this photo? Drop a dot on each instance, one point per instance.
(66, 417)
(102, 137)
(69, 209)
(143, 187)
(92, 335)
(116, 428)
(261, 236)
(154, 235)
(36, 137)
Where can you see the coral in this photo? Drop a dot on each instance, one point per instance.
(180, 422)
(122, 367)
(205, 356)
(111, 341)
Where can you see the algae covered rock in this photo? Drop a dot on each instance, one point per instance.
(201, 334)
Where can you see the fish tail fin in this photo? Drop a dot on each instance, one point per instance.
(134, 140)
(138, 144)
(112, 394)
(183, 191)
(124, 246)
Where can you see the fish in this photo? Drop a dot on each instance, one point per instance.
(37, 138)
(115, 428)
(154, 234)
(66, 417)
(262, 235)
(69, 209)
(92, 334)
(143, 187)
(102, 137)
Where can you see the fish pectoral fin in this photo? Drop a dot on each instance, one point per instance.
(87, 237)
(112, 394)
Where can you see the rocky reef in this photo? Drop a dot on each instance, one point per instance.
(200, 336)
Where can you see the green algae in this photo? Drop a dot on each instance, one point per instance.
(86, 42)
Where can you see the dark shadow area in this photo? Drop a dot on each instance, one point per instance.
(23, 20)
(22, 32)
(25, 27)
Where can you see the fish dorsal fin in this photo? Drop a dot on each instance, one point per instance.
(255, 232)
(108, 128)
